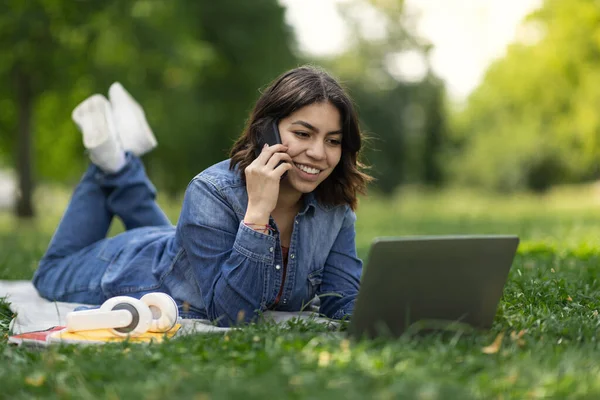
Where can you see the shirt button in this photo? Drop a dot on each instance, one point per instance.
(278, 266)
(292, 256)
(271, 249)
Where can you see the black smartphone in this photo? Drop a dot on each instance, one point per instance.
(270, 136)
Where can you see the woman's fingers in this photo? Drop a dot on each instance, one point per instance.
(268, 151)
(263, 176)
(276, 159)
(282, 169)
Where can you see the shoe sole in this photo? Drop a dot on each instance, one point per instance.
(95, 107)
(144, 138)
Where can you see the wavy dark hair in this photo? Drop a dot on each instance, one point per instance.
(291, 91)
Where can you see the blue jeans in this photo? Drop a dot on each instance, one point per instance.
(74, 264)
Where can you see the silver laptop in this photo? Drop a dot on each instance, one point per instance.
(432, 282)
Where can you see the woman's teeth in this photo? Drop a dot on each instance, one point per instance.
(308, 170)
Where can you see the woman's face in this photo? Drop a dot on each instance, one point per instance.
(313, 135)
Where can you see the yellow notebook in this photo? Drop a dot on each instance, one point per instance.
(59, 334)
(106, 335)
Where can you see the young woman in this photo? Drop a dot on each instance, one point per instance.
(256, 233)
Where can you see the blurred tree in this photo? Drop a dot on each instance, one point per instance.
(401, 111)
(534, 120)
(195, 66)
(251, 46)
(39, 53)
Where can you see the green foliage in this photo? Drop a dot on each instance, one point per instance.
(533, 122)
(404, 119)
(195, 67)
(42, 48)
(199, 125)
(406, 129)
(6, 315)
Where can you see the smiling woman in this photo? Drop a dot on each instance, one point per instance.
(268, 229)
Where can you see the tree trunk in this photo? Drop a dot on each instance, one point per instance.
(434, 130)
(24, 206)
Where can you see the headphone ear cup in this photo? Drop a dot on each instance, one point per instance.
(122, 315)
(142, 316)
(163, 309)
(113, 301)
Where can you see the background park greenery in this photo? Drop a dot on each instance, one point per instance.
(198, 66)
(519, 156)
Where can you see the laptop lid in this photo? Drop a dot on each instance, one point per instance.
(433, 280)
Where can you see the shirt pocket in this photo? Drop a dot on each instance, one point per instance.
(314, 280)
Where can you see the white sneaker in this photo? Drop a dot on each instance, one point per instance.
(130, 121)
(94, 119)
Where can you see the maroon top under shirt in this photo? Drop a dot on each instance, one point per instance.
(284, 254)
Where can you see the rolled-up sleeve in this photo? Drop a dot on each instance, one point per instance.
(229, 259)
(342, 272)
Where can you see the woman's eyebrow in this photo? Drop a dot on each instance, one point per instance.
(306, 125)
(312, 128)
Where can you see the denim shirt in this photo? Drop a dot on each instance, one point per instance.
(238, 271)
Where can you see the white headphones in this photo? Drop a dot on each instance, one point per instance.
(127, 316)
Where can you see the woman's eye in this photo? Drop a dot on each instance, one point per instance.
(335, 142)
(302, 134)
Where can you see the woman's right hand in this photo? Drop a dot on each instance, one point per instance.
(262, 183)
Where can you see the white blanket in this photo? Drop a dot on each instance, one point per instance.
(34, 313)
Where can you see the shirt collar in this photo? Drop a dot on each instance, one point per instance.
(311, 203)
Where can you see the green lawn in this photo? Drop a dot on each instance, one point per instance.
(548, 318)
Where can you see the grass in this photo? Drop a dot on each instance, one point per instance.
(547, 319)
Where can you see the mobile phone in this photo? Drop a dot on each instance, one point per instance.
(270, 136)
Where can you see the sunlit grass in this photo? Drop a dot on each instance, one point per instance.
(548, 318)
(566, 217)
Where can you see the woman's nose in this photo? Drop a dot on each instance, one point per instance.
(316, 150)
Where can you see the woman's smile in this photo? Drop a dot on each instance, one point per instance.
(307, 173)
